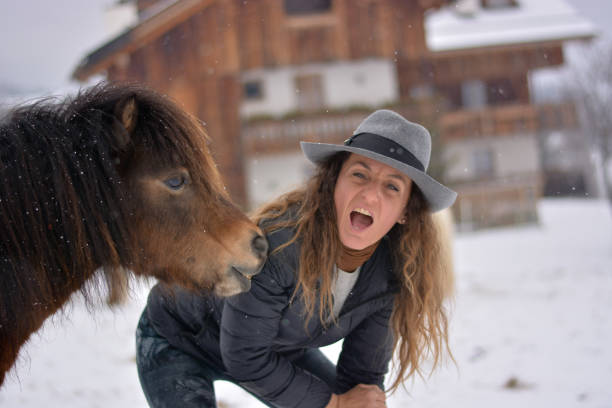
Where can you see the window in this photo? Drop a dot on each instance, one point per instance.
(452, 95)
(422, 91)
(473, 94)
(497, 4)
(309, 92)
(500, 91)
(302, 7)
(252, 90)
(483, 162)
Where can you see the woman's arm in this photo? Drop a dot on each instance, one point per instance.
(249, 325)
(366, 352)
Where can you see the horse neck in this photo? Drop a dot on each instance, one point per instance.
(28, 299)
(51, 243)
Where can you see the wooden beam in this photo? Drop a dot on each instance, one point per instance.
(341, 40)
(230, 45)
(453, 68)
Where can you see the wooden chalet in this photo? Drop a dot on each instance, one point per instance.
(265, 74)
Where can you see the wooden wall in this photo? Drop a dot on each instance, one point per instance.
(198, 62)
(352, 29)
(451, 68)
(195, 63)
(238, 35)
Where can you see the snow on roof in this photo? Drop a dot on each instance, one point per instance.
(531, 21)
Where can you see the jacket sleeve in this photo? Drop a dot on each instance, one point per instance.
(366, 352)
(249, 324)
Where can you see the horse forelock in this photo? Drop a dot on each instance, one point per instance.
(173, 137)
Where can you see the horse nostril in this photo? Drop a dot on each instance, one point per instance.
(260, 246)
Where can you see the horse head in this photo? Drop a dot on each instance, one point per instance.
(183, 228)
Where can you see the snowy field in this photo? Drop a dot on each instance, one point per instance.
(531, 327)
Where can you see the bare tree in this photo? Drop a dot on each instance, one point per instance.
(590, 87)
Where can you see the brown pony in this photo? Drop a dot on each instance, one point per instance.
(116, 179)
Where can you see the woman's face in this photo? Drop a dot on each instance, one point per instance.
(370, 197)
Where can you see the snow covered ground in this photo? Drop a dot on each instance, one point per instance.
(531, 327)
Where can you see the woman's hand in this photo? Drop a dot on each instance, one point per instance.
(360, 396)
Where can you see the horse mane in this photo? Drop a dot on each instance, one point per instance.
(64, 208)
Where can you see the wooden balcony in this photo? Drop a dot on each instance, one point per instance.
(278, 135)
(507, 120)
(274, 136)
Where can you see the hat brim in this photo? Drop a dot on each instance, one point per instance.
(437, 195)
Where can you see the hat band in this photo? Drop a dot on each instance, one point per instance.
(385, 147)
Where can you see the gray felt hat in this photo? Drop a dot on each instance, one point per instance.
(388, 138)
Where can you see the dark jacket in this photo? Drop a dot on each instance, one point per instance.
(255, 336)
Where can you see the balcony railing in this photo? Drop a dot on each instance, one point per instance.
(275, 135)
(504, 120)
(271, 136)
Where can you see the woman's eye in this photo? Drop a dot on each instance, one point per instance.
(359, 175)
(392, 187)
(175, 183)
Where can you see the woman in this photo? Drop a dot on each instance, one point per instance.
(353, 255)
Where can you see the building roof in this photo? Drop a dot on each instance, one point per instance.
(154, 22)
(466, 25)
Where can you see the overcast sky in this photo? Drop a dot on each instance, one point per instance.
(43, 40)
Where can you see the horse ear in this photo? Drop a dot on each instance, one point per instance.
(126, 111)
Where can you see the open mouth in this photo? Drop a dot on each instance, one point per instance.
(243, 278)
(361, 219)
(233, 283)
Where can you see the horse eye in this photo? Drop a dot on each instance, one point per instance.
(175, 183)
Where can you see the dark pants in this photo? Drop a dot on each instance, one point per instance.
(174, 379)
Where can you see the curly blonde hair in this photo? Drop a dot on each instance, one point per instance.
(419, 320)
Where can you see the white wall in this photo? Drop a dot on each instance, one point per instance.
(278, 92)
(513, 154)
(370, 82)
(268, 176)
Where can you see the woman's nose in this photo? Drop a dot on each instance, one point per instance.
(370, 192)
